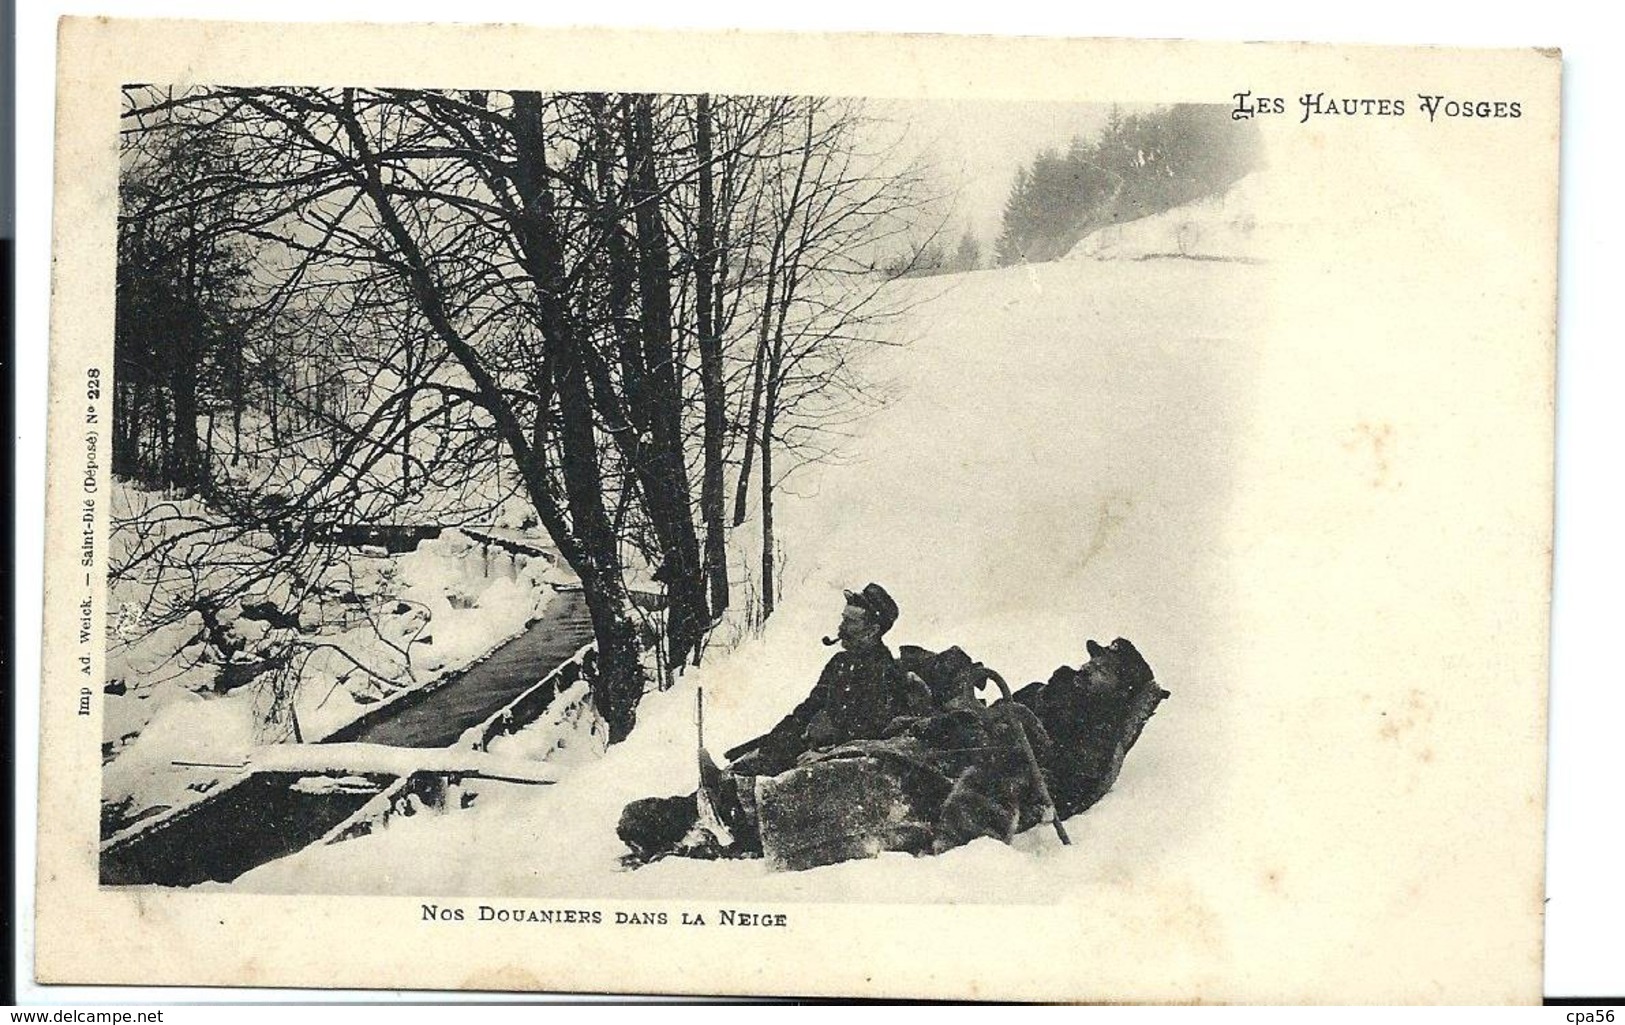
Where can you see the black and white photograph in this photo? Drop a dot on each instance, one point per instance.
(458, 437)
(709, 516)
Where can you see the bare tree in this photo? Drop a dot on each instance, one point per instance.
(461, 292)
(708, 329)
(834, 204)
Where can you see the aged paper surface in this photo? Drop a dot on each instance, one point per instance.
(1294, 443)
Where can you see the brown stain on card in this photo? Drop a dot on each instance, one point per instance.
(1374, 440)
(1408, 726)
(1416, 712)
(1109, 518)
(252, 974)
(1183, 917)
(1273, 878)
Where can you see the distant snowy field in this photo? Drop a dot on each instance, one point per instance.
(1057, 466)
(1223, 227)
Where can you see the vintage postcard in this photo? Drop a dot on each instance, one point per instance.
(594, 511)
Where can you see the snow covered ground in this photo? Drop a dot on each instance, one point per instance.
(1057, 467)
(445, 605)
(1238, 224)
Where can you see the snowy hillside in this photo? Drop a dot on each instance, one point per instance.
(1223, 227)
(1054, 469)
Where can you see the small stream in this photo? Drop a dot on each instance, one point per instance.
(437, 716)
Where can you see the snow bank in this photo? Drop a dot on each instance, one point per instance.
(357, 759)
(569, 733)
(1230, 226)
(473, 594)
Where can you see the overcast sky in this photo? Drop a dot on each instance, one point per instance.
(977, 147)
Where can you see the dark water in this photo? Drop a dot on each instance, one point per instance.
(393, 538)
(437, 717)
(246, 825)
(261, 819)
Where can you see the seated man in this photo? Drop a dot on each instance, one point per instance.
(861, 690)
(858, 695)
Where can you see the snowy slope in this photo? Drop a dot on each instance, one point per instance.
(1234, 225)
(1054, 469)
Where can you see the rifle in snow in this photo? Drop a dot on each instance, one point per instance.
(705, 799)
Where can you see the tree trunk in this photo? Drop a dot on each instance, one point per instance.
(131, 396)
(773, 374)
(753, 421)
(775, 267)
(769, 591)
(586, 540)
(710, 345)
(183, 452)
(663, 472)
(409, 381)
(238, 400)
(208, 447)
(163, 425)
(182, 470)
(619, 686)
(271, 401)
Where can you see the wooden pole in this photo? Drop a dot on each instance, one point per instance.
(1032, 758)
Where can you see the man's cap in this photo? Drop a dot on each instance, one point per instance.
(874, 598)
